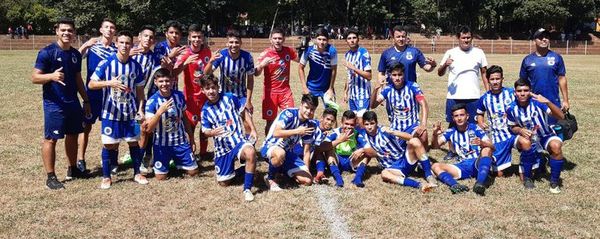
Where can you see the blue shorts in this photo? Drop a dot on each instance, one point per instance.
(61, 120)
(503, 152)
(181, 154)
(466, 168)
(403, 165)
(292, 163)
(114, 131)
(225, 165)
(345, 164)
(471, 108)
(359, 106)
(546, 140)
(95, 110)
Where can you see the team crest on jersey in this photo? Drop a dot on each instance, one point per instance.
(393, 58)
(507, 101)
(217, 169)
(289, 114)
(242, 69)
(59, 59)
(132, 75)
(269, 112)
(198, 73)
(206, 59)
(287, 57)
(74, 59)
(195, 117)
(107, 130)
(158, 164)
(551, 60)
(409, 56)
(534, 114)
(406, 97)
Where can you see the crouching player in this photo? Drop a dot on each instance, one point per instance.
(165, 117)
(494, 104)
(313, 148)
(528, 117)
(472, 146)
(222, 116)
(345, 140)
(291, 124)
(397, 162)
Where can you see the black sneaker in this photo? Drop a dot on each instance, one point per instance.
(73, 173)
(528, 183)
(81, 165)
(459, 188)
(450, 156)
(54, 184)
(479, 189)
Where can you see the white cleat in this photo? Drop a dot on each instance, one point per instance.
(248, 196)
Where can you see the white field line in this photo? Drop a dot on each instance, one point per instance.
(328, 203)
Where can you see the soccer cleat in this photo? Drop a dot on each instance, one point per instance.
(427, 187)
(458, 188)
(248, 196)
(114, 169)
(479, 189)
(320, 178)
(81, 165)
(53, 183)
(554, 188)
(73, 173)
(431, 180)
(105, 184)
(273, 186)
(358, 183)
(449, 156)
(138, 178)
(528, 183)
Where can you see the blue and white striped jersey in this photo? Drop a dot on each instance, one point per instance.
(462, 140)
(149, 61)
(96, 54)
(388, 147)
(117, 104)
(358, 87)
(402, 104)
(534, 116)
(319, 75)
(287, 119)
(162, 49)
(495, 106)
(226, 113)
(170, 130)
(317, 137)
(234, 72)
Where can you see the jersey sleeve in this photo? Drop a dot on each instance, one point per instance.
(43, 62)
(544, 107)
(510, 117)
(150, 109)
(249, 65)
(445, 57)
(416, 89)
(218, 61)
(446, 136)
(205, 121)
(483, 61)
(99, 73)
(139, 77)
(381, 67)
(361, 139)
(382, 95)
(304, 57)
(293, 54)
(523, 70)
(366, 61)
(481, 106)
(285, 119)
(421, 58)
(331, 137)
(560, 66)
(333, 54)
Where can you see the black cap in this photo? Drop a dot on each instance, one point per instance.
(539, 32)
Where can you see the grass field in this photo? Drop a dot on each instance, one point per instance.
(198, 207)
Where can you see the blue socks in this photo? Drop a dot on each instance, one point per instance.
(528, 159)
(360, 171)
(556, 166)
(136, 156)
(320, 165)
(272, 171)
(409, 182)
(248, 180)
(335, 170)
(426, 165)
(447, 179)
(108, 156)
(485, 164)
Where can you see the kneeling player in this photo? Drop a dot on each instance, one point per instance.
(222, 117)
(397, 162)
(291, 124)
(314, 148)
(473, 147)
(345, 140)
(528, 117)
(165, 117)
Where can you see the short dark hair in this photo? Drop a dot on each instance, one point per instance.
(370, 116)
(162, 72)
(106, 19)
(321, 32)
(310, 100)
(149, 28)
(174, 24)
(463, 30)
(348, 114)
(522, 82)
(64, 20)
(209, 79)
(399, 28)
(458, 107)
(397, 66)
(494, 69)
(279, 31)
(233, 33)
(125, 33)
(330, 111)
(351, 31)
(195, 28)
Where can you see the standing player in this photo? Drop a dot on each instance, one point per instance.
(402, 52)
(357, 90)
(403, 101)
(170, 48)
(96, 50)
(285, 133)
(222, 117)
(192, 63)
(237, 71)
(472, 145)
(545, 69)
(322, 58)
(528, 117)
(122, 83)
(58, 70)
(397, 159)
(275, 61)
(494, 103)
(164, 117)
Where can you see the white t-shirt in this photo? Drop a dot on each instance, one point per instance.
(464, 72)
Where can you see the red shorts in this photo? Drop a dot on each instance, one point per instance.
(193, 109)
(273, 101)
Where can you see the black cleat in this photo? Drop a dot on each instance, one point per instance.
(81, 165)
(528, 183)
(54, 184)
(458, 188)
(73, 173)
(479, 189)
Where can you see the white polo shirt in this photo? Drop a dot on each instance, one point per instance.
(464, 72)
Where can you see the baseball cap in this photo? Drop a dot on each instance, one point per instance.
(540, 32)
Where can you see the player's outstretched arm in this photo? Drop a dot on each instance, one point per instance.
(564, 90)
(279, 132)
(554, 110)
(39, 77)
(302, 76)
(397, 133)
(376, 98)
(486, 84)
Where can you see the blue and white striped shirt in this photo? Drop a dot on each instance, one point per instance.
(402, 105)
(495, 106)
(149, 61)
(117, 104)
(462, 140)
(388, 147)
(234, 72)
(96, 54)
(533, 116)
(226, 113)
(170, 130)
(287, 119)
(359, 87)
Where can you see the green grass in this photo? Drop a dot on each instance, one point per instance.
(198, 207)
